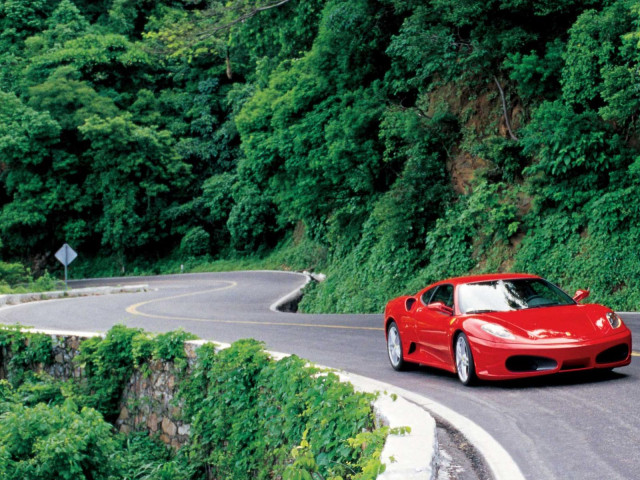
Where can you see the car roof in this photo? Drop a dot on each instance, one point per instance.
(486, 277)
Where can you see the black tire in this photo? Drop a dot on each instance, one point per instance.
(394, 347)
(465, 366)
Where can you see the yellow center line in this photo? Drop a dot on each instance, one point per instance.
(635, 354)
(134, 310)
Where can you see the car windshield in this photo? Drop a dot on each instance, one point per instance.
(507, 295)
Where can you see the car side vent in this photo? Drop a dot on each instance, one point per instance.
(409, 303)
(530, 363)
(613, 354)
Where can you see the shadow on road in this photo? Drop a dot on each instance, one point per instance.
(555, 380)
(562, 379)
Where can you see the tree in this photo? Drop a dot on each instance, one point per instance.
(27, 149)
(134, 173)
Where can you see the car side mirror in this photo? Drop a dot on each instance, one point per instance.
(581, 295)
(440, 307)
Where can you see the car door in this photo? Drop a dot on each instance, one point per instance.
(432, 326)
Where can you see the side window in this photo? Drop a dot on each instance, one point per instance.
(426, 296)
(443, 294)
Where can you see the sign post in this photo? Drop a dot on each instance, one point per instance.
(66, 255)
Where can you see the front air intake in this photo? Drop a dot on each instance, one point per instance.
(613, 354)
(530, 363)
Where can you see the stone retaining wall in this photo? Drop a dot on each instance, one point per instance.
(149, 401)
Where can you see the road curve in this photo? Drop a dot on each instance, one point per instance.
(560, 427)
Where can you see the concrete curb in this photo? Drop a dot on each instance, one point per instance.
(293, 297)
(409, 456)
(18, 298)
(501, 464)
(283, 304)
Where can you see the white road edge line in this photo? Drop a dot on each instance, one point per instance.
(498, 459)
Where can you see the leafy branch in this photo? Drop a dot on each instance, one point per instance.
(206, 31)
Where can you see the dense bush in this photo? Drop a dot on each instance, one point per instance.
(195, 242)
(55, 442)
(27, 352)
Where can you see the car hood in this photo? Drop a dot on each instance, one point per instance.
(566, 323)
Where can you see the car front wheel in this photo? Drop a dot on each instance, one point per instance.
(464, 360)
(394, 347)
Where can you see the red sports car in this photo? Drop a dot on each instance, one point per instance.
(503, 326)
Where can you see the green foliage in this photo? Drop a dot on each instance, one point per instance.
(169, 346)
(195, 242)
(251, 221)
(12, 273)
(42, 440)
(537, 77)
(66, 22)
(28, 351)
(305, 467)
(393, 244)
(144, 458)
(39, 388)
(48, 432)
(108, 364)
(20, 19)
(69, 99)
(134, 195)
(25, 146)
(454, 244)
(567, 142)
(44, 283)
(590, 249)
(55, 442)
(302, 134)
(249, 412)
(592, 50)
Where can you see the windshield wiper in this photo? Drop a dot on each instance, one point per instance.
(487, 310)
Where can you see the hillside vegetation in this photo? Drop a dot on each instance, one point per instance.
(389, 143)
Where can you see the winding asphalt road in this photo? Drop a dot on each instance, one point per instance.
(562, 427)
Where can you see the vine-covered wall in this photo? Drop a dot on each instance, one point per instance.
(233, 413)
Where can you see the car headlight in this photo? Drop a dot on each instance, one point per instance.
(497, 331)
(614, 319)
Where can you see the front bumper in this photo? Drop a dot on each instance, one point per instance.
(503, 361)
